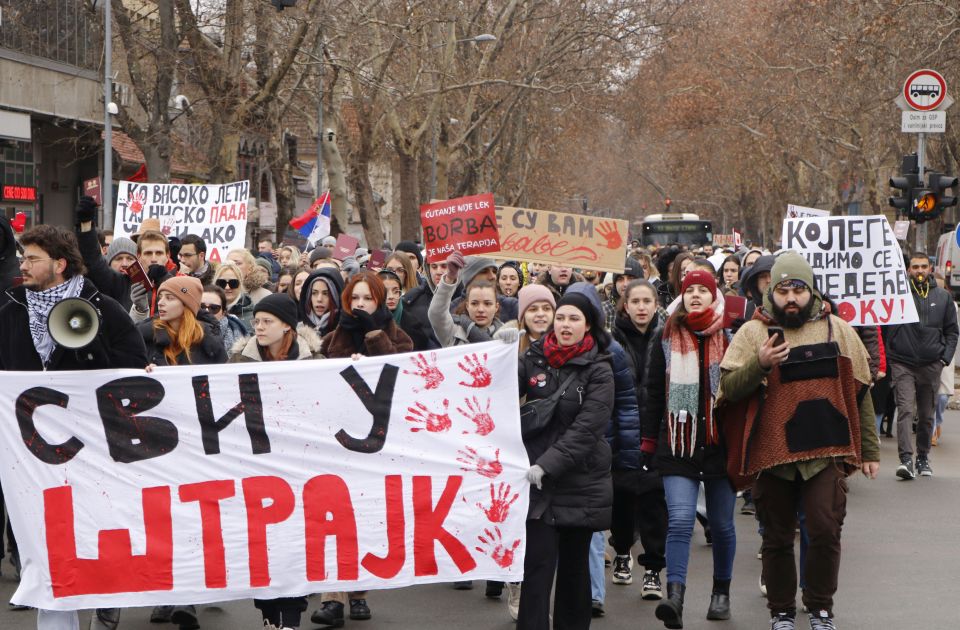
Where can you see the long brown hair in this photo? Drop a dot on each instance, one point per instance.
(675, 279)
(410, 279)
(182, 340)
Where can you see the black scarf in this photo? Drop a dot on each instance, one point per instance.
(360, 323)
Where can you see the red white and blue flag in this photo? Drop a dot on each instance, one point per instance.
(315, 222)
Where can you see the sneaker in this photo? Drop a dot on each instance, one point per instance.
(329, 615)
(623, 570)
(748, 508)
(905, 469)
(161, 614)
(782, 621)
(760, 552)
(18, 606)
(105, 619)
(652, 589)
(465, 585)
(513, 599)
(763, 585)
(493, 589)
(923, 467)
(821, 621)
(359, 611)
(596, 608)
(185, 617)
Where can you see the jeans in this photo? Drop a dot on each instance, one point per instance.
(564, 553)
(598, 578)
(942, 400)
(644, 513)
(57, 620)
(681, 493)
(916, 391)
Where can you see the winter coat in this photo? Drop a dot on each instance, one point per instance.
(111, 283)
(391, 340)
(933, 338)
(708, 461)
(577, 488)
(558, 291)
(232, 328)
(334, 282)
(446, 329)
(117, 345)
(307, 347)
(209, 352)
(419, 331)
(242, 309)
(416, 304)
(9, 264)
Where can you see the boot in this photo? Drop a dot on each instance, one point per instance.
(719, 601)
(670, 610)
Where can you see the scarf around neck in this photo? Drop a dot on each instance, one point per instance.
(557, 355)
(357, 326)
(39, 305)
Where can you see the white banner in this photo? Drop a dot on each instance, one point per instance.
(798, 212)
(199, 484)
(857, 263)
(217, 213)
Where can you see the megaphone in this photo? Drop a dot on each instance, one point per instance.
(73, 323)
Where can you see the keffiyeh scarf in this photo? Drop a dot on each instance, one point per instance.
(39, 305)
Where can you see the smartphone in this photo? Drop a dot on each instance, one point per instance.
(138, 274)
(776, 331)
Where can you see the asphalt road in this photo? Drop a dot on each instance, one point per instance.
(901, 563)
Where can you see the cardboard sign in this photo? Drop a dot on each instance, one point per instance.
(572, 240)
(467, 224)
(217, 213)
(797, 212)
(345, 247)
(212, 483)
(858, 263)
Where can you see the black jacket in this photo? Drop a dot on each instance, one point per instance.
(577, 488)
(210, 351)
(933, 338)
(9, 265)
(708, 461)
(416, 303)
(118, 344)
(111, 283)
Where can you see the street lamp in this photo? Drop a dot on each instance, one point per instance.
(106, 194)
(476, 39)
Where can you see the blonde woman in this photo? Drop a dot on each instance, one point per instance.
(229, 277)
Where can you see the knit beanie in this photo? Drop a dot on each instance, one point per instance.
(702, 277)
(187, 289)
(791, 266)
(476, 264)
(582, 304)
(328, 241)
(319, 253)
(263, 262)
(411, 248)
(281, 305)
(534, 293)
(120, 245)
(350, 266)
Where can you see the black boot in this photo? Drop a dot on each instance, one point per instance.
(670, 610)
(719, 601)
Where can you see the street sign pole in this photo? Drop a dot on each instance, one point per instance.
(921, 235)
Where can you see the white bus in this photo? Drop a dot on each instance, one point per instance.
(682, 228)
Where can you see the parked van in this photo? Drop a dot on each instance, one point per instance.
(948, 262)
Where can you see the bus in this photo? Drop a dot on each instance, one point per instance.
(682, 228)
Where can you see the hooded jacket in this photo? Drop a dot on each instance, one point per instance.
(416, 306)
(334, 282)
(445, 325)
(476, 264)
(558, 291)
(308, 344)
(631, 268)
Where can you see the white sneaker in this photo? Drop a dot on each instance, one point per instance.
(513, 599)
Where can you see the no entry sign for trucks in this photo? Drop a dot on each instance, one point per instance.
(925, 90)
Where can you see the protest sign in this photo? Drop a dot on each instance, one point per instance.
(210, 483)
(217, 213)
(858, 263)
(798, 212)
(572, 240)
(467, 224)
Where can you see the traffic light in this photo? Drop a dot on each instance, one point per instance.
(940, 186)
(924, 205)
(905, 184)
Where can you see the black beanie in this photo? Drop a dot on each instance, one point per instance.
(411, 248)
(581, 303)
(281, 305)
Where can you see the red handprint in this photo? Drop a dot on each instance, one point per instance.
(137, 201)
(489, 468)
(493, 541)
(427, 370)
(608, 230)
(433, 422)
(477, 415)
(167, 225)
(500, 502)
(477, 368)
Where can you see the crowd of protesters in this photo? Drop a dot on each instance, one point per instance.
(658, 421)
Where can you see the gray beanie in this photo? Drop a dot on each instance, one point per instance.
(350, 266)
(319, 253)
(120, 245)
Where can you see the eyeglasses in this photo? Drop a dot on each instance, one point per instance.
(213, 308)
(30, 261)
(400, 271)
(233, 283)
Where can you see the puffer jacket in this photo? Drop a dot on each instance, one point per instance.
(209, 352)
(933, 338)
(577, 488)
(307, 347)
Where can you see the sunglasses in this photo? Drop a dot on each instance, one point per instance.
(233, 284)
(213, 308)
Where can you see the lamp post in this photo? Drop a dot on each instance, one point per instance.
(106, 195)
(320, 125)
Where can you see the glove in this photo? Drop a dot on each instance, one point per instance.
(86, 209)
(365, 320)
(156, 273)
(455, 262)
(508, 336)
(140, 298)
(535, 476)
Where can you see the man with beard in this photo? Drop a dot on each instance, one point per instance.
(814, 428)
(916, 354)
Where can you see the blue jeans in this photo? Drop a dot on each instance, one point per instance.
(598, 583)
(681, 493)
(942, 400)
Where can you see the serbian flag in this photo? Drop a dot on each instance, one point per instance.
(315, 222)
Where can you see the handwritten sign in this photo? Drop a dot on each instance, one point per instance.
(467, 224)
(573, 240)
(217, 213)
(858, 263)
(211, 483)
(797, 212)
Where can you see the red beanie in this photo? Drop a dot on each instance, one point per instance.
(699, 276)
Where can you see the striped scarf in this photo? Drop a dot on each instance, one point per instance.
(39, 305)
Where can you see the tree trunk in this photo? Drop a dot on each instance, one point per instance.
(359, 178)
(336, 178)
(157, 157)
(409, 206)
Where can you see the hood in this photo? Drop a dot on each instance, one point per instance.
(748, 281)
(476, 264)
(590, 292)
(334, 284)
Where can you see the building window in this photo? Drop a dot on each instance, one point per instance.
(16, 164)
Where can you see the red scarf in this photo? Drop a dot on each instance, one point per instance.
(558, 355)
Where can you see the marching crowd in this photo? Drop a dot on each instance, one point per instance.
(645, 405)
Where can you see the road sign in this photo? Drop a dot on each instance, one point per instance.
(925, 90)
(923, 122)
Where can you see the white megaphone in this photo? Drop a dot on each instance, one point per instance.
(73, 323)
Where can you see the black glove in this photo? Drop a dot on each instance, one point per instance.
(156, 273)
(86, 210)
(365, 320)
